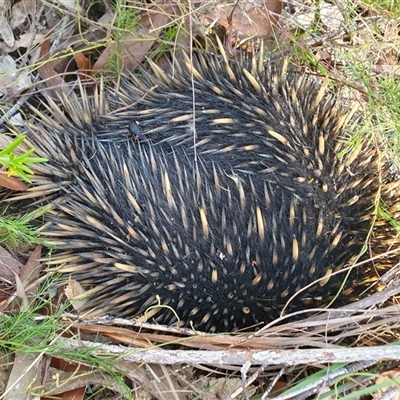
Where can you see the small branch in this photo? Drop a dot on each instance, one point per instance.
(293, 357)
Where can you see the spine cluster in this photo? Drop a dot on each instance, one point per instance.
(224, 213)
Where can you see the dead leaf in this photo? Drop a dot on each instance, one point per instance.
(135, 46)
(30, 270)
(6, 32)
(11, 79)
(74, 292)
(387, 63)
(9, 266)
(23, 377)
(82, 62)
(332, 16)
(21, 11)
(78, 390)
(121, 335)
(53, 80)
(387, 69)
(12, 183)
(21, 294)
(247, 18)
(222, 388)
(26, 40)
(72, 385)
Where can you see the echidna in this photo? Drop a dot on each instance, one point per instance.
(213, 197)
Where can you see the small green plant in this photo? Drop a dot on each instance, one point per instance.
(17, 230)
(167, 42)
(16, 164)
(383, 212)
(127, 16)
(39, 329)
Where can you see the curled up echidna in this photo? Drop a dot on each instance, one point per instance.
(219, 196)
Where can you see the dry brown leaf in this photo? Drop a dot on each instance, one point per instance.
(14, 287)
(247, 19)
(74, 291)
(20, 21)
(23, 377)
(71, 385)
(9, 269)
(22, 11)
(387, 64)
(387, 69)
(6, 32)
(136, 45)
(77, 392)
(146, 339)
(82, 62)
(21, 294)
(12, 183)
(30, 270)
(46, 70)
(14, 274)
(222, 388)
(122, 335)
(12, 81)
(9, 266)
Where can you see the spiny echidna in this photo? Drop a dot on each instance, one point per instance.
(215, 194)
